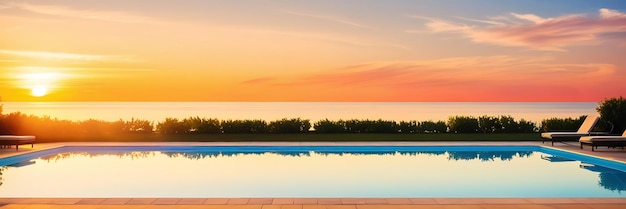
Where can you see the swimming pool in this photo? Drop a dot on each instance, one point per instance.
(310, 171)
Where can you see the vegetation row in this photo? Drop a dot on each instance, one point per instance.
(21, 124)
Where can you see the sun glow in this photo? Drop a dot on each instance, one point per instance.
(39, 91)
(40, 81)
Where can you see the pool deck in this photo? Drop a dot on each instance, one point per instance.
(314, 203)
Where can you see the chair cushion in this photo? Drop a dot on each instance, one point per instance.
(12, 137)
(603, 139)
(550, 135)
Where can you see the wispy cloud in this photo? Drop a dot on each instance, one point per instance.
(491, 22)
(480, 78)
(85, 71)
(333, 38)
(66, 56)
(53, 69)
(53, 55)
(27, 77)
(492, 68)
(533, 31)
(258, 80)
(336, 19)
(55, 10)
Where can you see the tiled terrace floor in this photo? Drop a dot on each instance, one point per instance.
(304, 203)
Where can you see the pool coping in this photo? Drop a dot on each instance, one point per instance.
(311, 201)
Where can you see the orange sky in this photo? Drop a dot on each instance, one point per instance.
(268, 50)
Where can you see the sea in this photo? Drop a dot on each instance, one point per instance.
(314, 111)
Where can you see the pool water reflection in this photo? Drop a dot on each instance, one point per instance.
(308, 172)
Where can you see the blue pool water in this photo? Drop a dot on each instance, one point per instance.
(310, 171)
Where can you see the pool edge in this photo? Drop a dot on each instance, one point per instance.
(318, 201)
(308, 201)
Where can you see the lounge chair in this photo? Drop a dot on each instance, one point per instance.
(584, 130)
(10, 140)
(608, 141)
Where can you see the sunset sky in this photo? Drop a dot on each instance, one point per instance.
(322, 50)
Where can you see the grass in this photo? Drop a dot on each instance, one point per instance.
(292, 137)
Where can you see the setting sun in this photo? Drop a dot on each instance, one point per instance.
(39, 91)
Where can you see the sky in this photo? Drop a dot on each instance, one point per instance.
(323, 50)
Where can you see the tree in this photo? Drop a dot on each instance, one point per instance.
(508, 124)
(527, 126)
(463, 124)
(432, 127)
(139, 126)
(489, 124)
(173, 126)
(328, 126)
(408, 127)
(295, 125)
(614, 110)
(562, 124)
(244, 126)
(203, 125)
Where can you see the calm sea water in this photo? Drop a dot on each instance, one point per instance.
(420, 111)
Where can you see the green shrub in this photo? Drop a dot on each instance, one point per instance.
(613, 110)
(508, 124)
(371, 126)
(244, 127)
(463, 124)
(203, 125)
(11, 124)
(295, 125)
(489, 124)
(138, 126)
(93, 126)
(328, 126)
(173, 126)
(383, 126)
(562, 124)
(432, 127)
(119, 127)
(525, 126)
(233, 127)
(355, 126)
(408, 127)
(17, 123)
(505, 124)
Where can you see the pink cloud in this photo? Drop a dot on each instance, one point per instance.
(494, 78)
(533, 31)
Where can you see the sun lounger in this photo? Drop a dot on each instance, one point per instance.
(608, 141)
(584, 130)
(10, 140)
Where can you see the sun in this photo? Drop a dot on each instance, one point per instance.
(39, 91)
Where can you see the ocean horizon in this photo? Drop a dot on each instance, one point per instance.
(314, 111)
